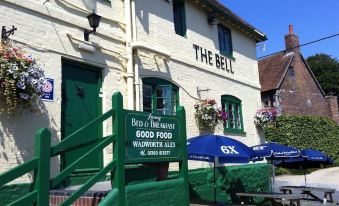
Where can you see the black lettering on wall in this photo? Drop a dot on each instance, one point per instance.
(217, 61)
(227, 66)
(210, 59)
(203, 54)
(232, 72)
(222, 62)
(196, 47)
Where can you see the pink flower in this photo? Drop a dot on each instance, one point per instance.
(224, 115)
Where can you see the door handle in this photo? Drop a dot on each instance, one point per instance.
(80, 91)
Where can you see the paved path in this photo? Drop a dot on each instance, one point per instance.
(328, 178)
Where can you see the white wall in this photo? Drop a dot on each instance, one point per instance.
(42, 31)
(155, 28)
(42, 28)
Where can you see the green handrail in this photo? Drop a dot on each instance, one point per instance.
(40, 164)
(18, 171)
(110, 198)
(71, 140)
(28, 199)
(89, 184)
(68, 170)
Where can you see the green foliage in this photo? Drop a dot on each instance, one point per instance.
(306, 132)
(282, 171)
(326, 70)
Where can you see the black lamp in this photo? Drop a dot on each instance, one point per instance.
(94, 20)
(5, 34)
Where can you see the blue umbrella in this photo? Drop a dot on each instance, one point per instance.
(308, 159)
(227, 150)
(273, 151)
(216, 148)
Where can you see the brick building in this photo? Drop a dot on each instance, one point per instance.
(288, 84)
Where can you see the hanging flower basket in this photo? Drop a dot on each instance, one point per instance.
(21, 79)
(265, 117)
(208, 115)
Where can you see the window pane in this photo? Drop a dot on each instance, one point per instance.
(164, 99)
(179, 17)
(225, 40)
(147, 98)
(228, 42)
(221, 38)
(174, 100)
(232, 106)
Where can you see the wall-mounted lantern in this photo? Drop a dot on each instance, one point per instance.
(94, 20)
(5, 34)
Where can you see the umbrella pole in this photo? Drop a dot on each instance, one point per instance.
(273, 176)
(214, 186)
(305, 178)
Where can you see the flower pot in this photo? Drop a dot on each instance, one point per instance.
(206, 130)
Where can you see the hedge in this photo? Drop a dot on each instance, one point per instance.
(306, 132)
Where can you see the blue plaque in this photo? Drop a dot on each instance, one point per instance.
(48, 90)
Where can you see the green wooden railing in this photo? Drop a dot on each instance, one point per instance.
(40, 163)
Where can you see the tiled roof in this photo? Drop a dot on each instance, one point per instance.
(272, 70)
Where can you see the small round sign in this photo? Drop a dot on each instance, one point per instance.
(47, 87)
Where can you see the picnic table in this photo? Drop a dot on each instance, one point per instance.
(328, 192)
(276, 199)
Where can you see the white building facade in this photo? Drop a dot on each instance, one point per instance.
(158, 53)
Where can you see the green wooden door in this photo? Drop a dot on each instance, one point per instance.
(80, 105)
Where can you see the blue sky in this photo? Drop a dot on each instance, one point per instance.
(311, 19)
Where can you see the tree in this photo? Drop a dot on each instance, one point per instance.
(326, 70)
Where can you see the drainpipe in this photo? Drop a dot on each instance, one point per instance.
(129, 75)
(136, 67)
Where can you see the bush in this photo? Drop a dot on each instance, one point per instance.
(282, 171)
(306, 132)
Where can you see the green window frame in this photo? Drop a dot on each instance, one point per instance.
(159, 96)
(232, 106)
(179, 18)
(225, 41)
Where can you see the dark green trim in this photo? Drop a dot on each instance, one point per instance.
(234, 131)
(230, 98)
(183, 28)
(237, 101)
(228, 56)
(224, 43)
(157, 82)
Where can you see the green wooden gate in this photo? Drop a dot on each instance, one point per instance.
(122, 155)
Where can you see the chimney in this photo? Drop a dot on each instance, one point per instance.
(333, 106)
(291, 41)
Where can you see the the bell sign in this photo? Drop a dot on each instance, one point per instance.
(229, 150)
